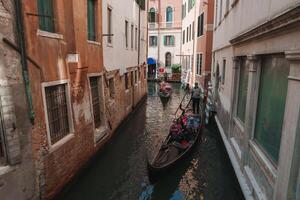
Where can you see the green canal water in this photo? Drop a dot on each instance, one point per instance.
(119, 171)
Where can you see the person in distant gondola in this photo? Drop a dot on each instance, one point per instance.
(196, 95)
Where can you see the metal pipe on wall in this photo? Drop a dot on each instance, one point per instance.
(25, 73)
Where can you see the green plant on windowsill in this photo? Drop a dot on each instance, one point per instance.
(176, 68)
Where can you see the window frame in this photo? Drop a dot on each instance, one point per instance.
(169, 42)
(200, 26)
(223, 71)
(69, 110)
(42, 16)
(199, 63)
(152, 11)
(151, 44)
(92, 36)
(255, 143)
(109, 24)
(171, 15)
(3, 157)
(166, 58)
(126, 33)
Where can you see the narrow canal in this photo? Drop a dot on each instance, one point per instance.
(119, 171)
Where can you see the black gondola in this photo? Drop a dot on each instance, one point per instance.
(173, 151)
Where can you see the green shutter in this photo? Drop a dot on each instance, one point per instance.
(172, 40)
(271, 103)
(45, 12)
(165, 40)
(91, 20)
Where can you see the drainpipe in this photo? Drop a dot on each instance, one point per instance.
(21, 41)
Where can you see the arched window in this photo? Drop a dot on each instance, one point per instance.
(168, 59)
(152, 15)
(169, 14)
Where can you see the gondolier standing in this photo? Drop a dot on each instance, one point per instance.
(196, 95)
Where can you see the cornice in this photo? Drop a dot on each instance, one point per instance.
(288, 20)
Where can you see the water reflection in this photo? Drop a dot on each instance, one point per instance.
(119, 172)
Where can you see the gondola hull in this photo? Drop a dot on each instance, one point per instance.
(169, 156)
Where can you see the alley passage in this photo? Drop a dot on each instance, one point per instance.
(119, 171)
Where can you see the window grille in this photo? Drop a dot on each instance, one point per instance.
(57, 110)
(94, 84)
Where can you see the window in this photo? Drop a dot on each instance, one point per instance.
(227, 7)
(131, 78)
(57, 112)
(2, 154)
(242, 90)
(187, 34)
(136, 38)
(91, 15)
(135, 77)
(182, 12)
(153, 41)
(95, 94)
(126, 34)
(183, 37)
(223, 72)
(152, 14)
(46, 18)
(190, 32)
(200, 24)
(111, 84)
(169, 40)
(132, 36)
(199, 64)
(169, 14)
(271, 103)
(168, 59)
(193, 30)
(220, 10)
(126, 81)
(109, 25)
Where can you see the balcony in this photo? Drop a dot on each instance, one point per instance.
(164, 25)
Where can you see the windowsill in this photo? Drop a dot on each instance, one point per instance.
(49, 34)
(153, 46)
(109, 45)
(239, 124)
(61, 142)
(263, 161)
(5, 169)
(94, 43)
(127, 90)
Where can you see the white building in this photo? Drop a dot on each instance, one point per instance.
(125, 48)
(164, 34)
(256, 76)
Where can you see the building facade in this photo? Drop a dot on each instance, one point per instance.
(17, 170)
(79, 95)
(197, 32)
(256, 84)
(164, 25)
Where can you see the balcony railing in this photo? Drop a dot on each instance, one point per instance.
(154, 25)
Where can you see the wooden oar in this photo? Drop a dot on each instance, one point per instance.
(180, 104)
